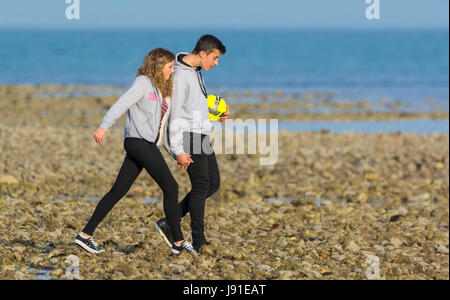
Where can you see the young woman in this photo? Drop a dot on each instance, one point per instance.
(147, 104)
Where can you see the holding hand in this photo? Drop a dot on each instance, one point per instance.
(184, 160)
(99, 135)
(225, 115)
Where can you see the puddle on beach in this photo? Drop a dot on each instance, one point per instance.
(40, 274)
(96, 199)
(319, 202)
(61, 198)
(243, 100)
(65, 197)
(375, 203)
(403, 126)
(150, 200)
(78, 93)
(272, 200)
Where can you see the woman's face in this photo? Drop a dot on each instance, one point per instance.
(168, 70)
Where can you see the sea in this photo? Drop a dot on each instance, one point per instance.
(407, 65)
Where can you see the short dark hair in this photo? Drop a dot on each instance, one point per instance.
(208, 43)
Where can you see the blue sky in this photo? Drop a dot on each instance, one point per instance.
(224, 14)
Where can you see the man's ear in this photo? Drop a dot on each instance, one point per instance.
(202, 53)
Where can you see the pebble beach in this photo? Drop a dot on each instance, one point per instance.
(334, 206)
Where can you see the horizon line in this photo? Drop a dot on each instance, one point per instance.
(199, 27)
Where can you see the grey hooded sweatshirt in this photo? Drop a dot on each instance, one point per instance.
(189, 112)
(142, 102)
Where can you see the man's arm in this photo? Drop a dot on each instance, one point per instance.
(176, 122)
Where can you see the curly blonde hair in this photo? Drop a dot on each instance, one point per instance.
(152, 67)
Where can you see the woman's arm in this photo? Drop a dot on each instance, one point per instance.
(132, 96)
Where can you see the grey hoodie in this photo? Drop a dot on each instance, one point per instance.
(142, 102)
(190, 111)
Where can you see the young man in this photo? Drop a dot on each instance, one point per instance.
(189, 134)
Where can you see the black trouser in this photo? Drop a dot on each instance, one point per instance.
(141, 154)
(205, 181)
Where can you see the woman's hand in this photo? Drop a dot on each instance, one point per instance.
(99, 135)
(226, 114)
(184, 160)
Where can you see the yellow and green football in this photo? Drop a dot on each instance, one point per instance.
(217, 107)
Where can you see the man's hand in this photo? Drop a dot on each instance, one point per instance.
(99, 135)
(226, 114)
(184, 160)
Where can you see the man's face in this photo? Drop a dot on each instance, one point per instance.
(208, 61)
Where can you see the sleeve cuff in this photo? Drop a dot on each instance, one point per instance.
(178, 151)
(104, 126)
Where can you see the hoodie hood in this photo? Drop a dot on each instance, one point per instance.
(179, 63)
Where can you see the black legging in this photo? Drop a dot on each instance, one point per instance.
(205, 180)
(141, 154)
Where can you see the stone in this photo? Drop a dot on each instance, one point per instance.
(352, 246)
(8, 179)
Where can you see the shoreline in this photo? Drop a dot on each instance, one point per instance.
(306, 107)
